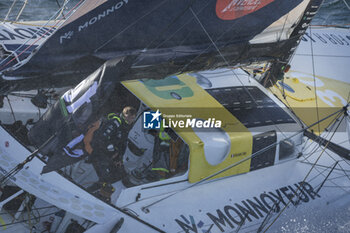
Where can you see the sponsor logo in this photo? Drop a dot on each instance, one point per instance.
(23, 33)
(97, 18)
(153, 120)
(103, 14)
(327, 38)
(67, 35)
(235, 215)
(234, 9)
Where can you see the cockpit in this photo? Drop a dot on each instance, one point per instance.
(206, 124)
(251, 121)
(152, 155)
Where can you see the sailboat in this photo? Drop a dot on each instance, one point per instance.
(259, 123)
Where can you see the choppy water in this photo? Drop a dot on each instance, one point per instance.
(334, 12)
(34, 10)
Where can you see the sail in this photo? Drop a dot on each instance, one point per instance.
(317, 83)
(279, 66)
(168, 36)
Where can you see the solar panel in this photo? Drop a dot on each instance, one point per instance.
(253, 109)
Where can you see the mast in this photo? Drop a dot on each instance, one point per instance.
(280, 66)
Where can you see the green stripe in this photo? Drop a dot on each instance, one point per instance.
(63, 107)
(160, 169)
(113, 116)
(3, 223)
(110, 115)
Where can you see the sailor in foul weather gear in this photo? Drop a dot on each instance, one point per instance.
(106, 143)
(153, 155)
(169, 156)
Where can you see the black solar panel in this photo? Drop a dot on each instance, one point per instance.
(253, 109)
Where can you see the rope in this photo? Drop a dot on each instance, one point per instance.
(324, 138)
(12, 112)
(284, 24)
(307, 175)
(20, 166)
(40, 208)
(167, 27)
(287, 104)
(29, 211)
(29, 46)
(16, 169)
(62, 9)
(222, 56)
(9, 224)
(217, 49)
(58, 4)
(130, 25)
(346, 25)
(204, 50)
(27, 24)
(347, 5)
(313, 74)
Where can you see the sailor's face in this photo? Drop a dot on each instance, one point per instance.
(130, 119)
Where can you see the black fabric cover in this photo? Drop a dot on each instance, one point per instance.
(65, 127)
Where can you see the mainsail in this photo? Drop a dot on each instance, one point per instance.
(168, 37)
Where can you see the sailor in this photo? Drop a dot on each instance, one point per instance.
(105, 142)
(166, 158)
(161, 158)
(158, 161)
(108, 135)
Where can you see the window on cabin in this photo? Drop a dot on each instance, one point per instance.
(287, 149)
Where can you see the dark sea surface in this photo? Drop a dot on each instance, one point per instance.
(332, 12)
(35, 9)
